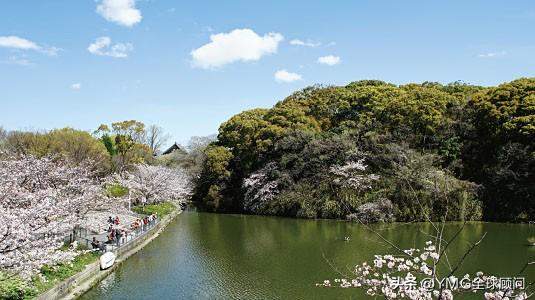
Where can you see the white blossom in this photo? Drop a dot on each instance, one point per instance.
(260, 189)
(352, 175)
(41, 201)
(394, 280)
(154, 184)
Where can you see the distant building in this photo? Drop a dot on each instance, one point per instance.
(171, 149)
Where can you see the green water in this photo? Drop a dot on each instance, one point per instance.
(214, 256)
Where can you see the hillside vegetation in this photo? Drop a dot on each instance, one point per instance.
(379, 152)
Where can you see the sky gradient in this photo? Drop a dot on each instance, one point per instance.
(188, 66)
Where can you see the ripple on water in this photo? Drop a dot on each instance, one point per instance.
(213, 256)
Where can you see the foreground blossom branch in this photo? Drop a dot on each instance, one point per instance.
(411, 276)
(414, 273)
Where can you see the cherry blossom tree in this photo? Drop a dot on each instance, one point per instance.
(41, 201)
(260, 189)
(352, 175)
(154, 184)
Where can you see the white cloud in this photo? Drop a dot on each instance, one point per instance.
(298, 42)
(237, 45)
(492, 54)
(122, 12)
(329, 60)
(285, 76)
(15, 60)
(76, 86)
(51, 51)
(15, 42)
(102, 46)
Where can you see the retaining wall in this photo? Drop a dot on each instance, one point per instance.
(78, 284)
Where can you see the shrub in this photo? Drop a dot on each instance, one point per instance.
(160, 209)
(116, 190)
(14, 288)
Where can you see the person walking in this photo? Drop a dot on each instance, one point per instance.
(118, 235)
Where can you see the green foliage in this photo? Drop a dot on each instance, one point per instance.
(116, 190)
(508, 110)
(215, 173)
(109, 144)
(213, 198)
(217, 161)
(160, 209)
(441, 151)
(13, 287)
(51, 275)
(419, 190)
(499, 151)
(125, 142)
(72, 144)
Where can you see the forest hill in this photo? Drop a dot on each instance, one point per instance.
(376, 149)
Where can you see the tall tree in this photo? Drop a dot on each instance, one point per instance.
(129, 146)
(155, 138)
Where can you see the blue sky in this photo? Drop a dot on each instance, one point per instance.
(155, 60)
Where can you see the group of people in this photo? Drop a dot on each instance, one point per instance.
(143, 223)
(96, 244)
(114, 221)
(117, 234)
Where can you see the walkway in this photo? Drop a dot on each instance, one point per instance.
(129, 232)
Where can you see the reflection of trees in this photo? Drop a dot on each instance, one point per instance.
(224, 256)
(288, 253)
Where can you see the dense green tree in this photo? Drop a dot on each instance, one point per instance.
(126, 142)
(438, 151)
(74, 145)
(214, 177)
(499, 152)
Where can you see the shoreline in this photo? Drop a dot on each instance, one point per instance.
(80, 283)
(348, 221)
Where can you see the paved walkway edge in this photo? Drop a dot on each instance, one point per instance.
(78, 284)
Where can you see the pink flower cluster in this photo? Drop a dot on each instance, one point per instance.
(154, 184)
(41, 201)
(414, 276)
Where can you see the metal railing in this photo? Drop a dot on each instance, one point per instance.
(85, 238)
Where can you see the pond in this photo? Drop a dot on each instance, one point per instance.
(208, 256)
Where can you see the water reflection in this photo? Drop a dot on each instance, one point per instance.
(201, 256)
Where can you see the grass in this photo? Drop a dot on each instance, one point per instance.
(14, 287)
(116, 190)
(160, 209)
(55, 274)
